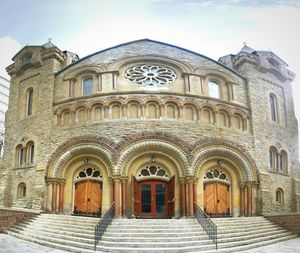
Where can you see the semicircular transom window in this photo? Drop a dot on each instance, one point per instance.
(153, 172)
(216, 174)
(151, 75)
(89, 173)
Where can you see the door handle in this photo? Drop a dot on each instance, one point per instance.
(89, 199)
(218, 201)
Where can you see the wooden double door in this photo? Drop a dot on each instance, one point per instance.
(217, 199)
(88, 198)
(154, 198)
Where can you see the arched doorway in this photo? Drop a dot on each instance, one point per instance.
(153, 192)
(216, 193)
(88, 192)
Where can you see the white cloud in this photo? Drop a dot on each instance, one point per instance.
(8, 48)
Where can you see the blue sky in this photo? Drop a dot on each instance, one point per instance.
(213, 28)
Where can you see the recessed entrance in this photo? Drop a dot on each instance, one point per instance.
(154, 198)
(88, 192)
(216, 199)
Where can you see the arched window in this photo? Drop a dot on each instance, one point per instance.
(30, 152)
(279, 196)
(98, 111)
(80, 113)
(21, 191)
(283, 161)
(29, 101)
(273, 107)
(223, 119)
(237, 121)
(20, 151)
(213, 89)
(87, 87)
(273, 158)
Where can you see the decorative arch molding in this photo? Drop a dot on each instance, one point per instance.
(99, 144)
(59, 167)
(203, 150)
(157, 135)
(215, 73)
(74, 73)
(184, 68)
(178, 155)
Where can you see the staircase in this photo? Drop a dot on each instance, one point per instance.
(76, 234)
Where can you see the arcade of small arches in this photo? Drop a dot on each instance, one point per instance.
(135, 108)
(152, 182)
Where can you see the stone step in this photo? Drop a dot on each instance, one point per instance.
(67, 217)
(57, 224)
(54, 240)
(154, 235)
(153, 230)
(224, 230)
(62, 228)
(157, 226)
(61, 245)
(61, 221)
(144, 238)
(79, 233)
(55, 235)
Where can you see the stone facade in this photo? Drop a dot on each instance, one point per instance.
(66, 115)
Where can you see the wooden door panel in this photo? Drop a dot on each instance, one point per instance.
(210, 198)
(136, 198)
(95, 197)
(223, 200)
(81, 197)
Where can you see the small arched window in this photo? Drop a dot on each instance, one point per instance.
(152, 111)
(133, 111)
(30, 152)
(87, 87)
(273, 107)
(279, 196)
(273, 158)
(29, 101)
(20, 155)
(213, 89)
(283, 161)
(115, 111)
(171, 113)
(21, 191)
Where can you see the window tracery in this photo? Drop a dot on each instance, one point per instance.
(153, 172)
(151, 75)
(89, 173)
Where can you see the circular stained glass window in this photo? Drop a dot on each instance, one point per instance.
(151, 75)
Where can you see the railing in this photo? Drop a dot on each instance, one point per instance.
(103, 224)
(207, 224)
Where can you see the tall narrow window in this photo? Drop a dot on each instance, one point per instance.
(273, 158)
(21, 193)
(29, 101)
(30, 152)
(213, 89)
(20, 155)
(87, 87)
(283, 161)
(279, 196)
(273, 107)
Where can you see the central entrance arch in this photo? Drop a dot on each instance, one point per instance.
(153, 192)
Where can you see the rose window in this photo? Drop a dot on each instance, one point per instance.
(150, 75)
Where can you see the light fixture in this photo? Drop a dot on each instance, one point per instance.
(86, 160)
(153, 159)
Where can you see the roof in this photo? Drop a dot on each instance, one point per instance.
(153, 41)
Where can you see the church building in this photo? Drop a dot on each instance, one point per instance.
(152, 127)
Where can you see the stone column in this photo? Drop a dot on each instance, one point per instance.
(191, 197)
(249, 199)
(61, 197)
(112, 197)
(54, 196)
(162, 111)
(99, 82)
(117, 196)
(182, 195)
(242, 199)
(124, 197)
(195, 190)
(105, 112)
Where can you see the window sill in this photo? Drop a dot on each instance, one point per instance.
(278, 173)
(25, 167)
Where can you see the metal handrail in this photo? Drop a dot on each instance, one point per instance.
(103, 224)
(207, 224)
